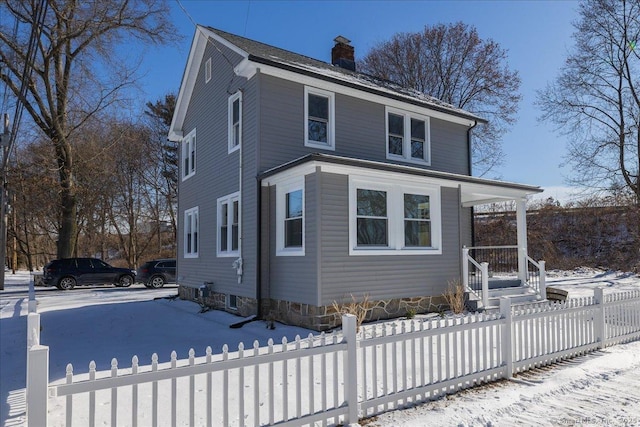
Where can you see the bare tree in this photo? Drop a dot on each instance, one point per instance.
(451, 63)
(595, 100)
(165, 154)
(78, 72)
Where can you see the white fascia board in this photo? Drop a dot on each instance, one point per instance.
(480, 194)
(289, 175)
(196, 53)
(360, 94)
(472, 193)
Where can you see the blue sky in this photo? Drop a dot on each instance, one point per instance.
(536, 34)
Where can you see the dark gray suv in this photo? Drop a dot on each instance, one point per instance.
(66, 273)
(154, 274)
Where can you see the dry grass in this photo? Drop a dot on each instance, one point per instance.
(454, 295)
(355, 307)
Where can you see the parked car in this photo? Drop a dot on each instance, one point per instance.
(66, 273)
(155, 273)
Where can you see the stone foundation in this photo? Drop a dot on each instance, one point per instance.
(218, 301)
(327, 317)
(313, 317)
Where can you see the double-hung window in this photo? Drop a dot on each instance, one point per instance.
(235, 121)
(372, 221)
(319, 116)
(293, 219)
(229, 225)
(408, 137)
(387, 218)
(417, 221)
(189, 155)
(290, 218)
(191, 226)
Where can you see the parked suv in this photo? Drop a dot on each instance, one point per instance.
(155, 273)
(66, 273)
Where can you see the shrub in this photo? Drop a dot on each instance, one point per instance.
(355, 307)
(454, 295)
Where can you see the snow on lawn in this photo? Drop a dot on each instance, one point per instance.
(101, 323)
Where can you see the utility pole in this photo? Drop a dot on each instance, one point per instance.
(5, 138)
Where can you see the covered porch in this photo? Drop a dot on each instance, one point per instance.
(492, 272)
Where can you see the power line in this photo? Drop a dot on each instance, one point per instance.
(40, 13)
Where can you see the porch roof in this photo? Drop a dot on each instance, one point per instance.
(474, 191)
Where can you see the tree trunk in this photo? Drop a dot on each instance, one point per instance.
(68, 226)
(68, 201)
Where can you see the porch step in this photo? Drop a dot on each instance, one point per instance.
(517, 295)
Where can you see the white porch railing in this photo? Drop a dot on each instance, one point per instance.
(479, 263)
(475, 276)
(349, 375)
(537, 277)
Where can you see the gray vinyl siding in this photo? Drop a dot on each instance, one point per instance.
(381, 277)
(294, 278)
(466, 230)
(217, 175)
(449, 149)
(359, 128)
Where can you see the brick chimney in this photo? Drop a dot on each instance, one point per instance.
(342, 54)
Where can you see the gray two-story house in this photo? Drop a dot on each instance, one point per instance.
(304, 183)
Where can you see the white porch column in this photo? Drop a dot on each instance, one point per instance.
(521, 220)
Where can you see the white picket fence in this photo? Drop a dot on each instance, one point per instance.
(331, 379)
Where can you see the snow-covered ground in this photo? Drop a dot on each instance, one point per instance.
(100, 323)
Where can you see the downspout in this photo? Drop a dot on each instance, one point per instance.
(469, 164)
(237, 264)
(259, 249)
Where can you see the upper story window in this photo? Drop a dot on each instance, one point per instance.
(189, 155)
(290, 218)
(191, 227)
(207, 71)
(393, 219)
(235, 121)
(408, 137)
(319, 116)
(229, 225)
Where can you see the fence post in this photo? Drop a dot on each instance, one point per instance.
(543, 280)
(599, 318)
(32, 305)
(484, 267)
(349, 332)
(465, 267)
(507, 340)
(37, 385)
(33, 329)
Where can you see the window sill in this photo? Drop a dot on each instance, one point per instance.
(394, 252)
(234, 254)
(319, 145)
(190, 255)
(290, 252)
(411, 160)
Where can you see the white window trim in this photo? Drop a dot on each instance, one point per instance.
(330, 145)
(229, 305)
(282, 189)
(207, 70)
(395, 216)
(189, 215)
(187, 142)
(406, 148)
(228, 199)
(232, 99)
